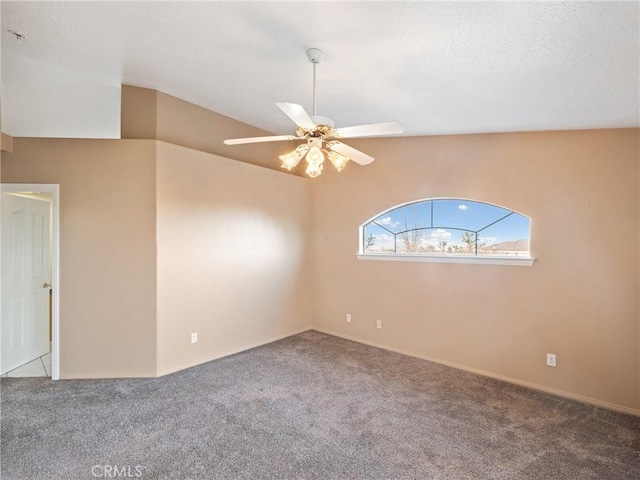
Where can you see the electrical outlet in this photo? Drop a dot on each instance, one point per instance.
(348, 317)
(551, 359)
(378, 323)
(194, 337)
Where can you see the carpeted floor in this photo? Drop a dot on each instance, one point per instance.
(310, 406)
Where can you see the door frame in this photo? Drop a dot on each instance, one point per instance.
(54, 190)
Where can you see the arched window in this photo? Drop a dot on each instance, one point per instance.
(448, 229)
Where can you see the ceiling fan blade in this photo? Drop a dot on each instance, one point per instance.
(373, 129)
(275, 138)
(355, 155)
(296, 113)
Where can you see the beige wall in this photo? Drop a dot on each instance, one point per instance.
(232, 256)
(107, 249)
(579, 300)
(113, 322)
(224, 255)
(152, 114)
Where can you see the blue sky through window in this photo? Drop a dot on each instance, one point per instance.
(440, 226)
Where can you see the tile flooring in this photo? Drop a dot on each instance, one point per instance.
(40, 367)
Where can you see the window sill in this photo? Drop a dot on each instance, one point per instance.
(518, 261)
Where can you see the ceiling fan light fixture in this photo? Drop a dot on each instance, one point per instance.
(291, 159)
(318, 132)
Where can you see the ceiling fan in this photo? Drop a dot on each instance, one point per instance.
(320, 135)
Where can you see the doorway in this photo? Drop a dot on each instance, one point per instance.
(21, 339)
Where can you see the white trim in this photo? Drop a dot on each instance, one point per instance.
(404, 204)
(497, 376)
(102, 376)
(482, 260)
(233, 351)
(54, 190)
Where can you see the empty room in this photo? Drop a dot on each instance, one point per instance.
(320, 240)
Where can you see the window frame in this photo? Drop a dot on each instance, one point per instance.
(443, 258)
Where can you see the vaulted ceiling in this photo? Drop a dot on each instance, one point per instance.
(437, 67)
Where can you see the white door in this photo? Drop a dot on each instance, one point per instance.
(26, 278)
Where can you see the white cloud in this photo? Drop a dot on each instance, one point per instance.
(463, 207)
(388, 222)
(488, 240)
(440, 234)
(436, 236)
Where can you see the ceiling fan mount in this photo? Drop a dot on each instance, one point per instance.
(315, 55)
(318, 131)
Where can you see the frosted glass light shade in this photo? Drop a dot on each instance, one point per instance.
(315, 159)
(339, 161)
(315, 155)
(292, 159)
(314, 169)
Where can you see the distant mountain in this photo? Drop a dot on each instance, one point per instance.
(510, 246)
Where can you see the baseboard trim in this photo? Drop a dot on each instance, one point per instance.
(111, 375)
(233, 351)
(522, 383)
(104, 376)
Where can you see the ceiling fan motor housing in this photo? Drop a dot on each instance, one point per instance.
(319, 131)
(319, 120)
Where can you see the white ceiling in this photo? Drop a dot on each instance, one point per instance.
(437, 67)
